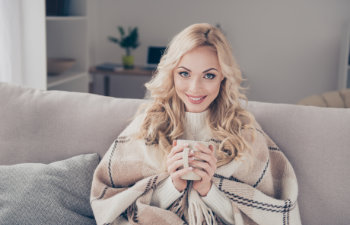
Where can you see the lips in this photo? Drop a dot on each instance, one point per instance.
(195, 99)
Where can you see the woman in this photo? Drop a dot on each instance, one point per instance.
(244, 177)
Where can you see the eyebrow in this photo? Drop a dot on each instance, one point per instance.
(203, 71)
(209, 70)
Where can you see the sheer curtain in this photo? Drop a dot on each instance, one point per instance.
(10, 42)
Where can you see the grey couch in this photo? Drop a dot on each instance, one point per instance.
(49, 141)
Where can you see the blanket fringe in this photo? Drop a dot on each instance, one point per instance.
(198, 212)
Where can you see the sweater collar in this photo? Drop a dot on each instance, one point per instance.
(196, 118)
(196, 125)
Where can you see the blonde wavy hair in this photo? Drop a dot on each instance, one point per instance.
(165, 115)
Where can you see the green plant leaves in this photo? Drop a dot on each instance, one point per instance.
(113, 39)
(129, 41)
(121, 31)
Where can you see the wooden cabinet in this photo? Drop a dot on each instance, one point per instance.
(122, 83)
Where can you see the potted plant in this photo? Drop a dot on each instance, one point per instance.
(128, 42)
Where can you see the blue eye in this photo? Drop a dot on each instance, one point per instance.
(184, 74)
(209, 76)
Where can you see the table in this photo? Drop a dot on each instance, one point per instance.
(121, 83)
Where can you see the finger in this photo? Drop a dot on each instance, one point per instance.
(177, 161)
(180, 154)
(203, 166)
(176, 149)
(177, 156)
(175, 166)
(179, 173)
(211, 147)
(201, 147)
(211, 159)
(204, 176)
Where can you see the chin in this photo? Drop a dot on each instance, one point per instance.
(196, 109)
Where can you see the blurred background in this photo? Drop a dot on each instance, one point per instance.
(287, 50)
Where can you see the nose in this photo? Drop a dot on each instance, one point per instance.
(195, 85)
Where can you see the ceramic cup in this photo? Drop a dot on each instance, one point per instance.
(191, 143)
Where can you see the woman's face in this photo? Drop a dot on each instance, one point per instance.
(197, 78)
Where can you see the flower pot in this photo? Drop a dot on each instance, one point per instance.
(128, 62)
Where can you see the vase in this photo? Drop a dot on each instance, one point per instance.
(128, 62)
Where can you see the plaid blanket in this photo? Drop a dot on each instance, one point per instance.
(262, 191)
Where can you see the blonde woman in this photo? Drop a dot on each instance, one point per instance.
(242, 176)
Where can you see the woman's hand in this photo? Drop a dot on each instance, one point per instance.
(205, 167)
(174, 164)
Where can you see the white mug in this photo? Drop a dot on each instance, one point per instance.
(190, 175)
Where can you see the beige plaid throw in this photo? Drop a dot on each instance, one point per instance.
(262, 191)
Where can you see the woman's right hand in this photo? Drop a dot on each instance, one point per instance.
(174, 164)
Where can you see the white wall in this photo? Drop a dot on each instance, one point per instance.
(34, 43)
(286, 49)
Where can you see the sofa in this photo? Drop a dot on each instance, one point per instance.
(51, 142)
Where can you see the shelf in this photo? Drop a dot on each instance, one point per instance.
(66, 37)
(64, 78)
(65, 18)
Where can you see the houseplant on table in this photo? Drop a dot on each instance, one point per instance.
(127, 41)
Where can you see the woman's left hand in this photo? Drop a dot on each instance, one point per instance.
(205, 167)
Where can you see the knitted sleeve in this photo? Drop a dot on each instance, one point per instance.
(165, 194)
(220, 204)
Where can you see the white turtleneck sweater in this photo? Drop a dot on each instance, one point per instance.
(196, 128)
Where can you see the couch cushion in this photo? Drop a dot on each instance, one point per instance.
(317, 142)
(57, 193)
(46, 126)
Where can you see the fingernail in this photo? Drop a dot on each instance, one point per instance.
(174, 142)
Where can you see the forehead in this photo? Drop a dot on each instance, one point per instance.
(202, 56)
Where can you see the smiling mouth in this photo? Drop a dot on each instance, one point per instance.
(196, 99)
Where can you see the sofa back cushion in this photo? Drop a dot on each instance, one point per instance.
(317, 142)
(46, 126)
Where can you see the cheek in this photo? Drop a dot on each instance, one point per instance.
(179, 85)
(214, 90)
